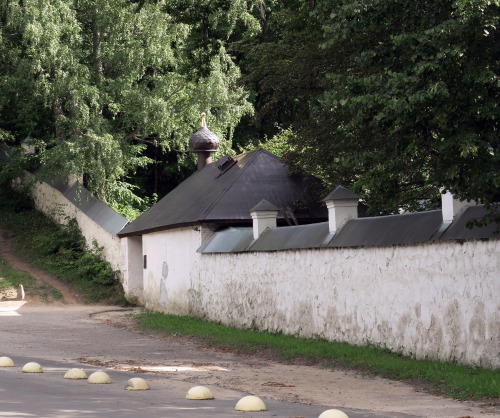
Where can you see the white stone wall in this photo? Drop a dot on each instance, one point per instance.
(167, 275)
(51, 202)
(438, 300)
(132, 268)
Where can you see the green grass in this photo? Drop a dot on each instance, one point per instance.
(450, 379)
(59, 250)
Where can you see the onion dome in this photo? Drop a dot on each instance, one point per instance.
(203, 139)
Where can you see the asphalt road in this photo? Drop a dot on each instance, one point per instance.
(60, 338)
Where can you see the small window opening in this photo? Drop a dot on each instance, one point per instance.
(225, 164)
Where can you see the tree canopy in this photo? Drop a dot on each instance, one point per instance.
(92, 82)
(393, 99)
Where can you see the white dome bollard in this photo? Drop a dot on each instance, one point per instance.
(250, 403)
(199, 393)
(137, 383)
(333, 413)
(6, 362)
(99, 378)
(32, 367)
(75, 374)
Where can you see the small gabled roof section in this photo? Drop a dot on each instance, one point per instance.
(225, 193)
(341, 193)
(263, 205)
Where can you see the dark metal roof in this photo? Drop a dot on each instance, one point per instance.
(379, 231)
(388, 230)
(210, 195)
(96, 210)
(228, 241)
(291, 237)
(459, 230)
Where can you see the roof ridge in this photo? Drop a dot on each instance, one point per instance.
(225, 190)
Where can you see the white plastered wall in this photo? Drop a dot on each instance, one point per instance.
(132, 268)
(438, 300)
(52, 203)
(170, 256)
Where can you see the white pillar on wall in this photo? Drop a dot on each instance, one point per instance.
(342, 205)
(264, 216)
(451, 206)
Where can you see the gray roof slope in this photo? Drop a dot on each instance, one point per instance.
(96, 210)
(458, 229)
(378, 231)
(99, 212)
(291, 237)
(210, 195)
(388, 230)
(228, 241)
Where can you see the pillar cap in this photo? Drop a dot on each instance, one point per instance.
(264, 205)
(341, 193)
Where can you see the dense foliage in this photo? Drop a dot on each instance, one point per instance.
(393, 99)
(94, 82)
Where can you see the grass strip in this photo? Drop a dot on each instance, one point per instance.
(449, 379)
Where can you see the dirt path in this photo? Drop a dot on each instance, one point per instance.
(7, 240)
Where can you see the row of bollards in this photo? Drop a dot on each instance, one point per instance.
(247, 403)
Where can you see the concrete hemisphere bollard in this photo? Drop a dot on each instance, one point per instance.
(99, 378)
(250, 404)
(6, 362)
(32, 367)
(199, 393)
(75, 374)
(333, 413)
(137, 383)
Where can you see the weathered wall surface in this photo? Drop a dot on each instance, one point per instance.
(437, 300)
(169, 258)
(131, 269)
(52, 202)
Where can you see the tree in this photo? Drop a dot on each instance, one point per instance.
(95, 81)
(393, 99)
(413, 105)
(283, 66)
